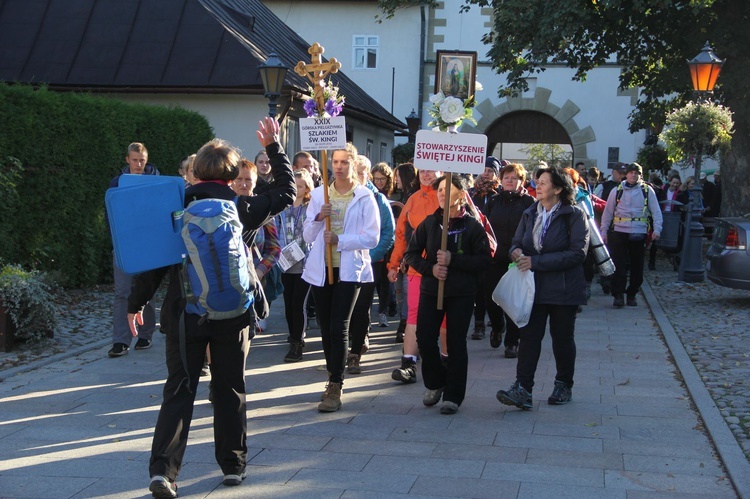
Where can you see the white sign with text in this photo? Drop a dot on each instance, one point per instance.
(317, 134)
(450, 152)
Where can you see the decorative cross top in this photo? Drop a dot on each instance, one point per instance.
(317, 71)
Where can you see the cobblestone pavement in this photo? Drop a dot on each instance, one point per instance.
(713, 324)
(711, 321)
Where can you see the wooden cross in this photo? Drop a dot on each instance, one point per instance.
(317, 71)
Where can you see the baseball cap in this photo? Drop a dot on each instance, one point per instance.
(620, 167)
(634, 167)
(703, 176)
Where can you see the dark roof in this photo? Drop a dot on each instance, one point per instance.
(158, 46)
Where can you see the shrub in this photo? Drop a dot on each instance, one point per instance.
(27, 297)
(70, 145)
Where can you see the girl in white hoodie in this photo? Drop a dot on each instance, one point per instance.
(355, 229)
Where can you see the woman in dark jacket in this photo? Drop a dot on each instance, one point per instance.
(504, 211)
(229, 340)
(467, 253)
(551, 240)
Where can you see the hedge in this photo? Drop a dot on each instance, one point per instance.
(58, 153)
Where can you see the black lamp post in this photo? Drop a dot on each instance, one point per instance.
(413, 122)
(272, 72)
(704, 71)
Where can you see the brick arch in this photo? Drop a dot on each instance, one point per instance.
(545, 121)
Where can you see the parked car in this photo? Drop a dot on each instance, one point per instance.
(728, 257)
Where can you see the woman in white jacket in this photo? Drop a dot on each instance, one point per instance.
(355, 229)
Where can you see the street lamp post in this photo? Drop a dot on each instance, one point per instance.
(273, 73)
(704, 71)
(413, 121)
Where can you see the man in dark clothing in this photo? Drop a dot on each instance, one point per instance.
(716, 202)
(137, 160)
(216, 164)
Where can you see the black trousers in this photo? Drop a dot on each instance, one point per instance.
(562, 324)
(335, 304)
(622, 248)
(452, 375)
(498, 318)
(359, 326)
(480, 304)
(383, 285)
(229, 350)
(296, 292)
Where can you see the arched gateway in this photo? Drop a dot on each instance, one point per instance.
(533, 120)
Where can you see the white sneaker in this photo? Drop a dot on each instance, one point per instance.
(383, 320)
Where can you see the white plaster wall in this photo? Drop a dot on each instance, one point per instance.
(333, 24)
(232, 117)
(600, 106)
(597, 97)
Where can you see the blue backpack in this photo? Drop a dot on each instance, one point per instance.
(219, 285)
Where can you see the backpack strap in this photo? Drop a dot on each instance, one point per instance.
(643, 218)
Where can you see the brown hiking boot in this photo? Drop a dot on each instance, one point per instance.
(332, 398)
(352, 364)
(325, 393)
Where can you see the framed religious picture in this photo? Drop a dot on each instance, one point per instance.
(456, 73)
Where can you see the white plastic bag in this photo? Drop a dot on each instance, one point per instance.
(515, 294)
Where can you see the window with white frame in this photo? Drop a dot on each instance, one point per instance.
(365, 52)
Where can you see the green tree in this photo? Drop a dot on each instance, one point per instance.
(552, 154)
(650, 39)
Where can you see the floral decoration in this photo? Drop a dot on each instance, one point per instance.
(450, 111)
(702, 128)
(333, 101)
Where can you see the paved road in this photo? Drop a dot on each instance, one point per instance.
(81, 426)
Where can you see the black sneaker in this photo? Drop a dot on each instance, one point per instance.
(392, 309)
(295, 352)
(496, 338)
(561, 394)
(162, 486)
(408, 371)
(516, 395)
(143, 344)
(232, 480)
(511, 352)
(478, 333)
(118, 350)
(618, 302)
(632, 302)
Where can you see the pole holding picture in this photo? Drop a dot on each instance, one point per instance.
(444, 234)
(316, 71)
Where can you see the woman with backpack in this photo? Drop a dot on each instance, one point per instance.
(354, 230)
(189, 331)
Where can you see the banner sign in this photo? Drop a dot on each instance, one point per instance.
(450, 152)
(318, 134)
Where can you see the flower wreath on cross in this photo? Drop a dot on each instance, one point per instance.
(333, 102)
(450, 111)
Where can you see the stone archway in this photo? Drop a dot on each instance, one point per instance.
(533, 119)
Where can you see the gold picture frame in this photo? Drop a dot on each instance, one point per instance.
(456, 73)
